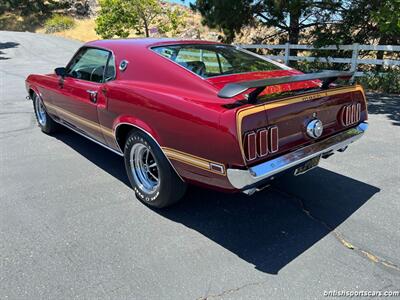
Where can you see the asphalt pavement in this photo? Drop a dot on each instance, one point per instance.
(70, 226)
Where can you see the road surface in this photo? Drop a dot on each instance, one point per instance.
(70, 226)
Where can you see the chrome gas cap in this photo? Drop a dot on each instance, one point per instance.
(315, 128)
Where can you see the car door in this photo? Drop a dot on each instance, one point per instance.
(82, 90)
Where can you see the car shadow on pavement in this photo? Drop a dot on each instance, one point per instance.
(268, 229)
(101, 157)
(271, 228)
(6, 45)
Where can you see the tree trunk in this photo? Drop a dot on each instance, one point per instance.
(146, 27)
(294, 32)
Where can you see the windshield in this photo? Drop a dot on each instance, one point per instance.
(215, 60)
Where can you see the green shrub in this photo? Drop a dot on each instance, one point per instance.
(387, 82)
(316, 66)
(58, 23)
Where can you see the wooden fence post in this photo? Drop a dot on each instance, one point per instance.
(287, 53)
(354, 58)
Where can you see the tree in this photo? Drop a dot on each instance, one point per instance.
(176, 19)
(290, 17)
(227, 15)
(364, 22)
(114, 19)
(120, 17)
(387, 18)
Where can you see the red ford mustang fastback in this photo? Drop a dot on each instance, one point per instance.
(198, 112)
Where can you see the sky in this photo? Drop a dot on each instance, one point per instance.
(185, 2)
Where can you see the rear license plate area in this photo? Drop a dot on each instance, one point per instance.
(307, 166)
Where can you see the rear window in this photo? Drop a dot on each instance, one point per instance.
(215, 60)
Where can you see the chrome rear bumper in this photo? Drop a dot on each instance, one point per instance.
(242, 179)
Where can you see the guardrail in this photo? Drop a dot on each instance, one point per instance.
(354, 61)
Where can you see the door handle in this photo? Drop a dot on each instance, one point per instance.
(92, 95)
(61, 82)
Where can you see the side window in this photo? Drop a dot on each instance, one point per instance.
(89, 64)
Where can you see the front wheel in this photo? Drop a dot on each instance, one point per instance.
(45, 122)
(154, 181)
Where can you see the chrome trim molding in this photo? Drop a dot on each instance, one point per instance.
(88, 137)
(241, 179)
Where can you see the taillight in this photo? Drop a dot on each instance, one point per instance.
(261, 142)
(273, 141)
(351, 114)
(250, 145)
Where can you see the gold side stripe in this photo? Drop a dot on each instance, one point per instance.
(242, 113)
(170, 153)
(192, 160)
(81, 120)
(184, 159)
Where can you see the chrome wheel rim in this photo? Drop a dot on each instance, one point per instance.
(144, 168)
(40, 111)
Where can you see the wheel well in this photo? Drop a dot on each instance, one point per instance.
(121, 134)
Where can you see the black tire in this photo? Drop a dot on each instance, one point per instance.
(168, 189)
(45, 122)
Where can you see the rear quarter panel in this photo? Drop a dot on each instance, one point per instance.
(179, 121)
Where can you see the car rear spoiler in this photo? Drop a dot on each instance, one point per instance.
(233, 89)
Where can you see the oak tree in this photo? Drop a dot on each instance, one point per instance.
(289, 17)
(120, 17)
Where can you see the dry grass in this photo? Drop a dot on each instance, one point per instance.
(82, 31)
(13, 21)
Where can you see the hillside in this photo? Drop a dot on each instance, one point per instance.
(83, 13)
(84, 29)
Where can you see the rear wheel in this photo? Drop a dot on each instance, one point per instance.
(154, 181)
(45, 122)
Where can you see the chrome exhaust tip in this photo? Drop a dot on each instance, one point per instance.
(251, 191)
